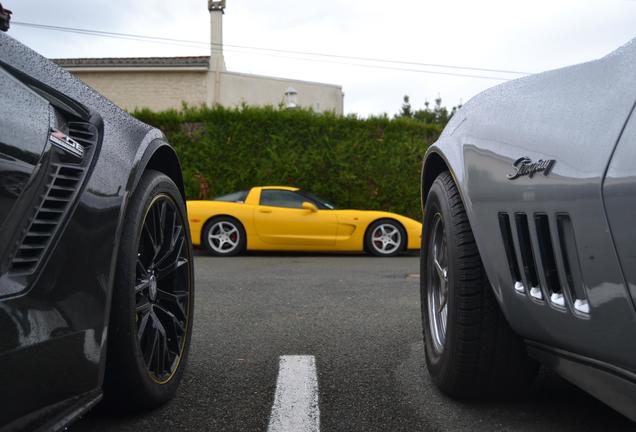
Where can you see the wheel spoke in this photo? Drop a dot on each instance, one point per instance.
(442, 304)
(440, 271)
(143, 325)
(172, 325)
(151, 347)
(168, 269)
(142, 285)
(176, 300)
(143, 306)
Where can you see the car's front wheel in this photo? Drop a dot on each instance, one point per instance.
(385, 238)
(152, 306)
(224, 236)
(470, 348)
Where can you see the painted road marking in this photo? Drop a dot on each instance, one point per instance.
(295, 406)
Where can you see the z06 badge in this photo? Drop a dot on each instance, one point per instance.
(63, 141)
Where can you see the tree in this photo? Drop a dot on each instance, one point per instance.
(406, 107)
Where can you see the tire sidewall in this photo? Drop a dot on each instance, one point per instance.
(368, 241)
(240, 248)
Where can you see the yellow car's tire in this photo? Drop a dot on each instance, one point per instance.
(224, 236)
(385, 238)
(153, 297)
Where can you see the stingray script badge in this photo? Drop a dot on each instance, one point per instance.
(525, 167)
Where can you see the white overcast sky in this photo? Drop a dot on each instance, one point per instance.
(528, 36)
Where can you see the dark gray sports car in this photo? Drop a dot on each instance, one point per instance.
(529, 245)
(96, 276)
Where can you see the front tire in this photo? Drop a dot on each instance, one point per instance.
(152, 307)
(470, 349)
(224, 236)
(385, 238)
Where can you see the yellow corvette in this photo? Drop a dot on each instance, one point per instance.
(279, 218)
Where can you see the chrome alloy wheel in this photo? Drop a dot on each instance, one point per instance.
(386, 238)
(224, 237)
(437, 278)
(163, 284)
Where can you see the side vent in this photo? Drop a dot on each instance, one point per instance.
(83, 133)
(64, 181)
(527, 256)
(548, 260)
(571, 266)
(506, 235)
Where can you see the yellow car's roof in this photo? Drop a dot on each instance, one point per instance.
(289, 188)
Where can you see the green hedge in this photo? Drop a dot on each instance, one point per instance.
(369, 163)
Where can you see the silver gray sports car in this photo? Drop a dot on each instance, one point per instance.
(529, 236)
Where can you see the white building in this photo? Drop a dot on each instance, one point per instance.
(161, 83)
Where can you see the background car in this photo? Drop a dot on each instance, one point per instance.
(290, 219)
(529, 248)
(96, 274)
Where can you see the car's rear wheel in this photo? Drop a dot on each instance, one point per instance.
(470, 348)
(224, 236)
(385, 238)
(151, 314)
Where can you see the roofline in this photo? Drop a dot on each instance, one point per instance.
(287, 188)
(171, 68)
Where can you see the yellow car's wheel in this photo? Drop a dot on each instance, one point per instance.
(385, 238)
(223, 236)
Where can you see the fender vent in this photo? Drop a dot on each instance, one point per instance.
(84, 133)
(535, 271)
(63, 182)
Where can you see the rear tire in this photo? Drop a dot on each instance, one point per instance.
(152, 307)
(470, 349)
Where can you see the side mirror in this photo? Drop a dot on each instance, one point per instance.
(309, 206)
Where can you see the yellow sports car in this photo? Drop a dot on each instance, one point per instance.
(290, 219)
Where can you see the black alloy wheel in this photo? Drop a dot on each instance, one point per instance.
(161, 288)
(152, 308)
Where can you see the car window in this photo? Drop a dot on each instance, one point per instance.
(281, 198)
(319, 202)
(232, 197)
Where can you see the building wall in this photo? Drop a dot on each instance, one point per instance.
(237, 89)
(161, 90)
(155, 90)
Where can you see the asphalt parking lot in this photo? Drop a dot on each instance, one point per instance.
(358, 319)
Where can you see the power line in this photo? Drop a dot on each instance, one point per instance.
(189, 43)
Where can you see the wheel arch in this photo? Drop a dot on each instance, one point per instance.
(162, 157)
(436, 162)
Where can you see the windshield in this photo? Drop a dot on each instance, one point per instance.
(321, 203)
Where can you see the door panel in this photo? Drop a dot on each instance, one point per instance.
(619, 190)
(298, 227)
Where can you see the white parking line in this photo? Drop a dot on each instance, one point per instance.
(295, 406)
